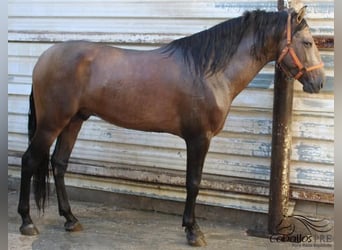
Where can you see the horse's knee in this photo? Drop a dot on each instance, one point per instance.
(192, 187)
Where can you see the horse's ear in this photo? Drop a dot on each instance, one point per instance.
(301, 14)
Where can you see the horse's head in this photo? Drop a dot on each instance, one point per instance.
(299, 57)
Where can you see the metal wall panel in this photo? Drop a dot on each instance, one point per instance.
(240, 153)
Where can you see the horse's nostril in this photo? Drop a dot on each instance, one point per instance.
(321, 85)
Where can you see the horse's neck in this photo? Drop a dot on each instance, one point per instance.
(244, 67)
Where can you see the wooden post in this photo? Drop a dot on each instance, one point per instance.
(281, 151)
(280, 157)
(281, 148)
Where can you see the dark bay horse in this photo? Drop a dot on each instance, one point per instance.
(184, 88)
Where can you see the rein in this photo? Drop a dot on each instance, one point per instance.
(295, 59)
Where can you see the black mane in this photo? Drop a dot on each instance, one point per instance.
(211, 50)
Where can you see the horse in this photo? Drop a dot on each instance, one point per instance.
(184, 88)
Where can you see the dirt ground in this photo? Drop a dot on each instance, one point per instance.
(108, 227)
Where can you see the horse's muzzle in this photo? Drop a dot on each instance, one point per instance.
(313, 88)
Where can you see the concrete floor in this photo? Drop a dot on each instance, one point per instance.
(108, 227)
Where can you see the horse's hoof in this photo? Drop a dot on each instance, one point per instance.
(195, 236)
(73, 226)
(29, 230)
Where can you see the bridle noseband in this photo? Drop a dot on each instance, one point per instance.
(296, 61)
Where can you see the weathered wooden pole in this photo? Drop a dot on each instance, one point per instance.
(281, 151)
(281, 147)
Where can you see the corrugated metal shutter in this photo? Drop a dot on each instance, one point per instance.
(238, 164)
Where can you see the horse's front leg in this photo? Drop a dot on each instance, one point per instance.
(197, 149)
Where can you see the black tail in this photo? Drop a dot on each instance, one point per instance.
(31, 118)
(41, 173)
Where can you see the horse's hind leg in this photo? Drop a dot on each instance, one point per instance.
(34, 163)
(59, 161)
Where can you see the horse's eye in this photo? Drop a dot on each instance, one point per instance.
(307, 44)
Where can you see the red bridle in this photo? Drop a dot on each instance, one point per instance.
(296, 61)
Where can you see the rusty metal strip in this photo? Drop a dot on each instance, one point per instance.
(306, 194)
(324, 42)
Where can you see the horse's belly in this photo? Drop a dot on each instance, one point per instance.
(139, 109)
